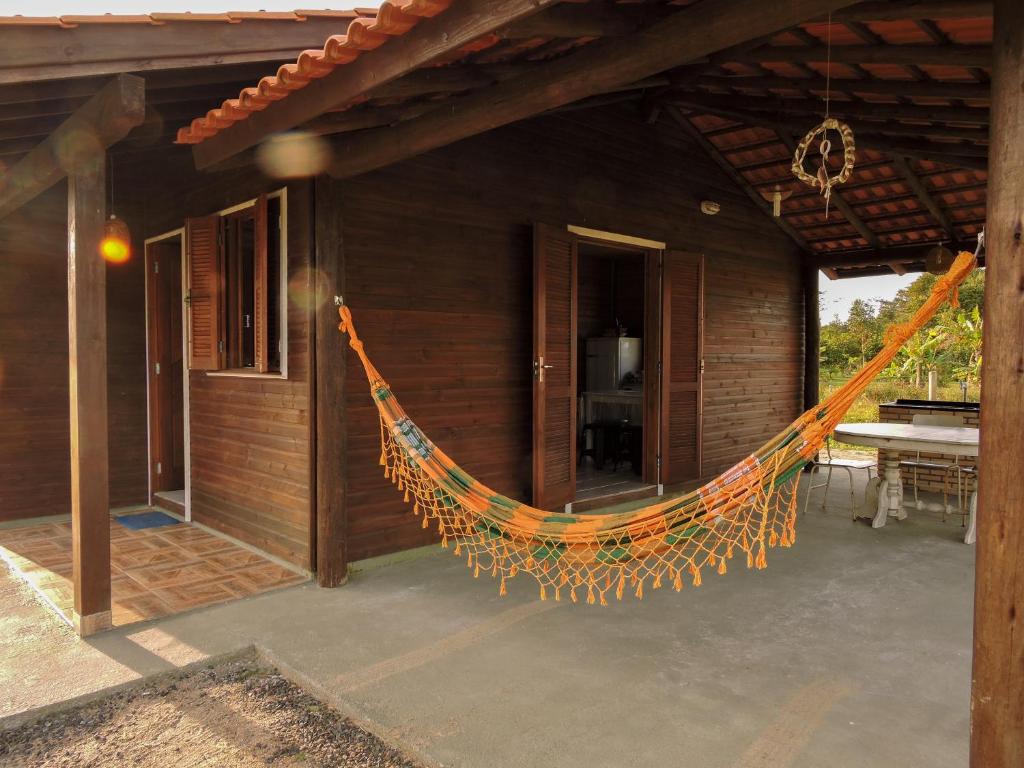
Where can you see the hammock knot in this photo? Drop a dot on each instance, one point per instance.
(899, 333)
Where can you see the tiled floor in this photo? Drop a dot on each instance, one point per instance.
(154, 572)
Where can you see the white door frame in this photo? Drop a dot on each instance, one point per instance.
(180, 234)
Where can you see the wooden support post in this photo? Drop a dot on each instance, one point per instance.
(87, 348)
(812, 335)
(330, 354)
(997, 691)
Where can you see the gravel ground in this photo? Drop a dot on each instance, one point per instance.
(238, 713)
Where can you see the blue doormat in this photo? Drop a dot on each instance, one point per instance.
(147, 520)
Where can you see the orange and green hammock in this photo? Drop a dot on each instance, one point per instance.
(744, 511)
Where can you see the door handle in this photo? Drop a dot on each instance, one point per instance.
(539, 366)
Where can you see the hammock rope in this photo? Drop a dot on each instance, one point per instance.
(746, 510)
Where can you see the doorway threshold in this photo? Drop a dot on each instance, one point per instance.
(170, 501)
(596, 499)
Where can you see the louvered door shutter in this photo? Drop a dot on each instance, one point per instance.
(205, 321)
(682, 339)
(554, 381)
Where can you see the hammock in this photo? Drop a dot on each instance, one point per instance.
(747, 509)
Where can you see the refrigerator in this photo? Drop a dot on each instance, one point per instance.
(609, 359)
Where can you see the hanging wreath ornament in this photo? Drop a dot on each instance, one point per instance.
(822, 179)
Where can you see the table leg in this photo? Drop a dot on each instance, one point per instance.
(890, 495)
(972, 525)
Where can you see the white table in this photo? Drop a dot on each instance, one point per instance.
(955, 441)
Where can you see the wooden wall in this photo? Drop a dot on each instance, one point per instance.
(34, 422)
(250, 436)
(439, 275)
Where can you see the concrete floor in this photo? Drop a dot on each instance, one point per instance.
(852, 649)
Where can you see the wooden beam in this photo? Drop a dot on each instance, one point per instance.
(34, 54)
(875, 257)
(330, 356)
(688, 34)
(87, 365)
(873, 85)
(783, 105)
(103, 120)
(899, 10)
(961, 155)
(937, 55)
(584, 20)
(923, 195)
(762, 204)
(997, 690)
(429, 40)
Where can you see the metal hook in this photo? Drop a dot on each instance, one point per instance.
(981, 243)
(339, 301)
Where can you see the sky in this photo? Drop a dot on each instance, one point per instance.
(837, 295)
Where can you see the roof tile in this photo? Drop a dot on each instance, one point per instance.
(364, 33)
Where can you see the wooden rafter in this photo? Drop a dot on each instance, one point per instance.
(713, 152)
(923, 195)
(871, 85)
(573, 20)
(839, 108)
(900, 10)
(938, 55)
(690, 33)
(873, 257)
(105, 119)
(960, 155)
(430, 39)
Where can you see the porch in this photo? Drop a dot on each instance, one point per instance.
(155, 571)
(853, 648)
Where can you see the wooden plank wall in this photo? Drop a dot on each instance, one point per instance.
(35, 450)
(250, 437)
(439, 276)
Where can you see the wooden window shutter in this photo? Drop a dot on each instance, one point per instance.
(261, 356)
(205, 322)
(682, 352)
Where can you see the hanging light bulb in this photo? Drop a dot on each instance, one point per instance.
(116, 245)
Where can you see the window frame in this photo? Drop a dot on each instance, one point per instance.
(250, 373)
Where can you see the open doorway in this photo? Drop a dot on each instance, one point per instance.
(610, 382)
(168, 473)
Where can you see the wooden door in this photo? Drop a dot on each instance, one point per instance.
(165, 358)
(682, 361)
(554, 367)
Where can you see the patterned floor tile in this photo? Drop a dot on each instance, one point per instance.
(154, 572)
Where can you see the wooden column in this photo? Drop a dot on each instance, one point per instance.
(997, 692)
(87, 348)
(330, 354)
(812, 335)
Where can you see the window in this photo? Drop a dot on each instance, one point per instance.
(235, 297)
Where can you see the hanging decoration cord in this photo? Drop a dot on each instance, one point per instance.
(822, 180)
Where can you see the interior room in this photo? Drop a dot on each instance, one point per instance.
(610, 386)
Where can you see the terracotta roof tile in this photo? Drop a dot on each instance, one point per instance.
(364, 33)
